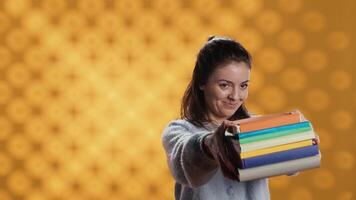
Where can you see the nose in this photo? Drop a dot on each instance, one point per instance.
(236, 94)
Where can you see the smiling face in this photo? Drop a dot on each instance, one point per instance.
(226, 90)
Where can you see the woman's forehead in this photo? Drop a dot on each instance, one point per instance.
(233, 71)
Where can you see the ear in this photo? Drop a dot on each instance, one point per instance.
(202, 87)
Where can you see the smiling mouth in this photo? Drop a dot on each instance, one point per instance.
(231, 105)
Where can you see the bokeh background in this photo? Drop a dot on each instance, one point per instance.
(87, 86)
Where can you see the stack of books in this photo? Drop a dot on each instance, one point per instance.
(277, 144)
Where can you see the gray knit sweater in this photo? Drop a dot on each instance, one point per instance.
(197, 176)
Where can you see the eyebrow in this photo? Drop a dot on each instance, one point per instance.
(233, 82)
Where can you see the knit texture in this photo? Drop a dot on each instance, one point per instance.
(197, 176)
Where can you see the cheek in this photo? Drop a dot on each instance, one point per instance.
(245, 95)
(221, 95)
(217, 94)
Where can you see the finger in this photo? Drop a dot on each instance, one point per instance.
(302, 117)
(231, 131)
(293, 174)
(228, 123)
(317, 138)
(231, 127)
(227, 128)
(295, 111)
(236, 122)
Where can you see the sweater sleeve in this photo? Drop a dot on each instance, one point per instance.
(187, 161)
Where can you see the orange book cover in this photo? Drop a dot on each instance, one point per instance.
(268, 121)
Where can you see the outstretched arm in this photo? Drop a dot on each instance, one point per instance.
(189, 163)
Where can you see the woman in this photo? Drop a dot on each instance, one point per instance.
(203, 161)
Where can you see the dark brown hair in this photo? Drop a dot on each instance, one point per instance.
(216, 51)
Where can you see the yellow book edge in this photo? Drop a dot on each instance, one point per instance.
(276, 149)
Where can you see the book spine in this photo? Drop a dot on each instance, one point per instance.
(279, 148)
(305, 124)
(277, 141)
(280, 168)
(290, 118)
(272, 135)
(280, 156)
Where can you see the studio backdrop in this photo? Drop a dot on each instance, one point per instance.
(87, 86)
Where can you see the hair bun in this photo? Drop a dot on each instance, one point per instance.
(211, 37)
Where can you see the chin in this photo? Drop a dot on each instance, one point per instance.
(229, 114)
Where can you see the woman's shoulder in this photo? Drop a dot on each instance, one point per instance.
(180, 123)
(175, 129)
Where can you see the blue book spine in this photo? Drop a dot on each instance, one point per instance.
(280, 156)
(303, 126)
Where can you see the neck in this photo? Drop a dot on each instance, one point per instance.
(215, 121)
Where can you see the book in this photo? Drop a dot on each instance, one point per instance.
(281, 168)
(272, 135)
(301, 126)
(267, 121)
(279, 148)
(307, 135)
(280, 156)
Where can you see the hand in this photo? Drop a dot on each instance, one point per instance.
(303, 119)
(293, 174)
(224, 150)
(317, 138)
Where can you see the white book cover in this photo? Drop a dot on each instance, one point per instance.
(281, 168)
(277, 141)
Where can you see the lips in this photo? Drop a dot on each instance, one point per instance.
(231, 105)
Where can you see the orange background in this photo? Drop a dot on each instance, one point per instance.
(87, 86)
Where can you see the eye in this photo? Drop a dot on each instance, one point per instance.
(223, 85)
(244, 86)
